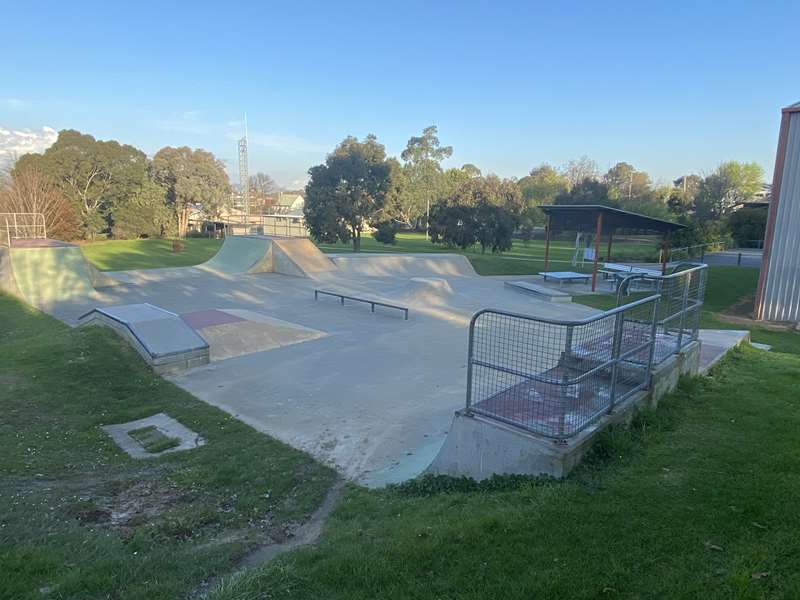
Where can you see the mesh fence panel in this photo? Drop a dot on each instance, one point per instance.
(680, 308)
(556, 377)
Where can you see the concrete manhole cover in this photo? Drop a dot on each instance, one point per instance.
(153, 436)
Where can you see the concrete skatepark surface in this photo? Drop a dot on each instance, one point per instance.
(370, 394)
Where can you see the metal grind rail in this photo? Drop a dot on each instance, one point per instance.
(372, 303)
(556, 377)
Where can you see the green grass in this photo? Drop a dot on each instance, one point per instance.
(123, 255)
(79, 518)
(694, 500)
(726, 287)
(152, 440)
(522, 259)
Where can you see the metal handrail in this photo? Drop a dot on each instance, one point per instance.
(25, 230)
(575, 366)
(584, 321)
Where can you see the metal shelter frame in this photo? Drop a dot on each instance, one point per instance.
(602, 220)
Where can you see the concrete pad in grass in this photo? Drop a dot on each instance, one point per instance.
(169, 427)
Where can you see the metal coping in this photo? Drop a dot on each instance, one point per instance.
(104, 312)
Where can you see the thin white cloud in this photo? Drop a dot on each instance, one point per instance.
(16, 142)
(287, 144)
(190, 121)
(12, 103)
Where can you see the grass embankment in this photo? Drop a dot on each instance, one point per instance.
(124, 255)
(80, 519)
(694, 500)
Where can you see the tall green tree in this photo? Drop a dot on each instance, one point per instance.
(95, 176)
(588, 191)
(348, 192)
(483, 210)
(191, 177)
(625, 182)
(145, 214)
(424, 181)
(542, 185)
(730, 184)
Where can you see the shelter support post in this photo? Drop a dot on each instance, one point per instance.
(610, 241)
(547, 243)
(665, 254)
(598, 230)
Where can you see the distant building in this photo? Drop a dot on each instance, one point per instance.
(778, 295)
(288, 203)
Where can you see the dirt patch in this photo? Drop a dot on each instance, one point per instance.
(741, 313)
(289, 536)
(123, 506)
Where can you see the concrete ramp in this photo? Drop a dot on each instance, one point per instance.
(165, 341)
(242, 254)
(45, 271)
(8, 282)
(423, 291)
(299, 256)
(266, 254)
(404, 265)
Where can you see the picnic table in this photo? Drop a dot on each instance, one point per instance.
(568, 276)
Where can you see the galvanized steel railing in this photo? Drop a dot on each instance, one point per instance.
(555, 377)
(682, 296)
(22, 226)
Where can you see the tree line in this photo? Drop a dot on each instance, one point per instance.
(89, 188)
(360, 188)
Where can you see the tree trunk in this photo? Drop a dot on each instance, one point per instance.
(356, 240)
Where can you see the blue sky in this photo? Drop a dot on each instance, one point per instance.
(669, 87)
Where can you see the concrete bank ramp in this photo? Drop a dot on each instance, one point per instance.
(424, 291)
(242, 254)
(46, 271)
(299, 255)
(267, 254)
(404, 265)
(165, 341)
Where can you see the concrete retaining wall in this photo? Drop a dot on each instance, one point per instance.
(479, 447)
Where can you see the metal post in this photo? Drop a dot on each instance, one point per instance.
(653, 336)
(688, 278)
(564, 378)
(470, 344)
(616, 346)
(547, 243)
(739, 260)
(597, 233)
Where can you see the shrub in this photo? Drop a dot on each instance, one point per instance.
(385, 232)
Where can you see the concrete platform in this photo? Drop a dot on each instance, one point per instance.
(162, 338)
(717, 343)
(541, 291)
(372, 397)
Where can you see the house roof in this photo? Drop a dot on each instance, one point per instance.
(583, 217)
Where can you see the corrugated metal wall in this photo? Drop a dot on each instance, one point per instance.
(782, 287)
